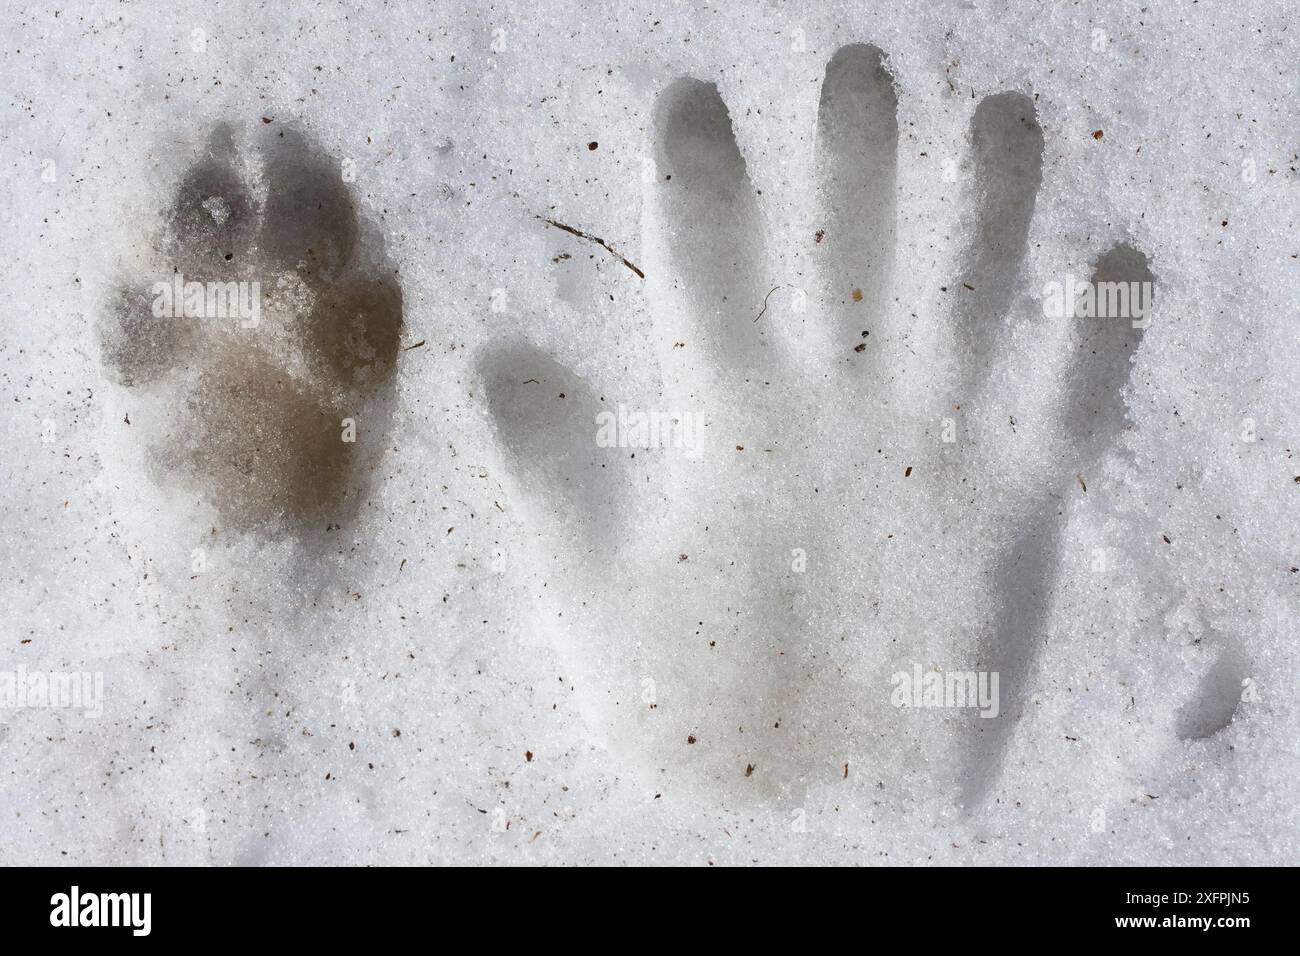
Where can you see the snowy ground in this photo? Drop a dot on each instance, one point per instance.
(493, 638)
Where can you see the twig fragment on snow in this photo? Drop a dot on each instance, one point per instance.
(596, 239)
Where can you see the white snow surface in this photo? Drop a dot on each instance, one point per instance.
(527, 648)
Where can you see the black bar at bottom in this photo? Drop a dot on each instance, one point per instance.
(335, 906)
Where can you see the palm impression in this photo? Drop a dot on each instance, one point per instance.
(266, 333)
(740, 572)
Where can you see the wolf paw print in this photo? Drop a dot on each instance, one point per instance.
(266, 332)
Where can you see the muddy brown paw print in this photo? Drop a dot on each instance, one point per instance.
(267, 328)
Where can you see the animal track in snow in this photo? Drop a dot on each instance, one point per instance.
(267, 413)
(699, 641)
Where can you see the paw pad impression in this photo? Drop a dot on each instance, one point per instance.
(266, 330)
